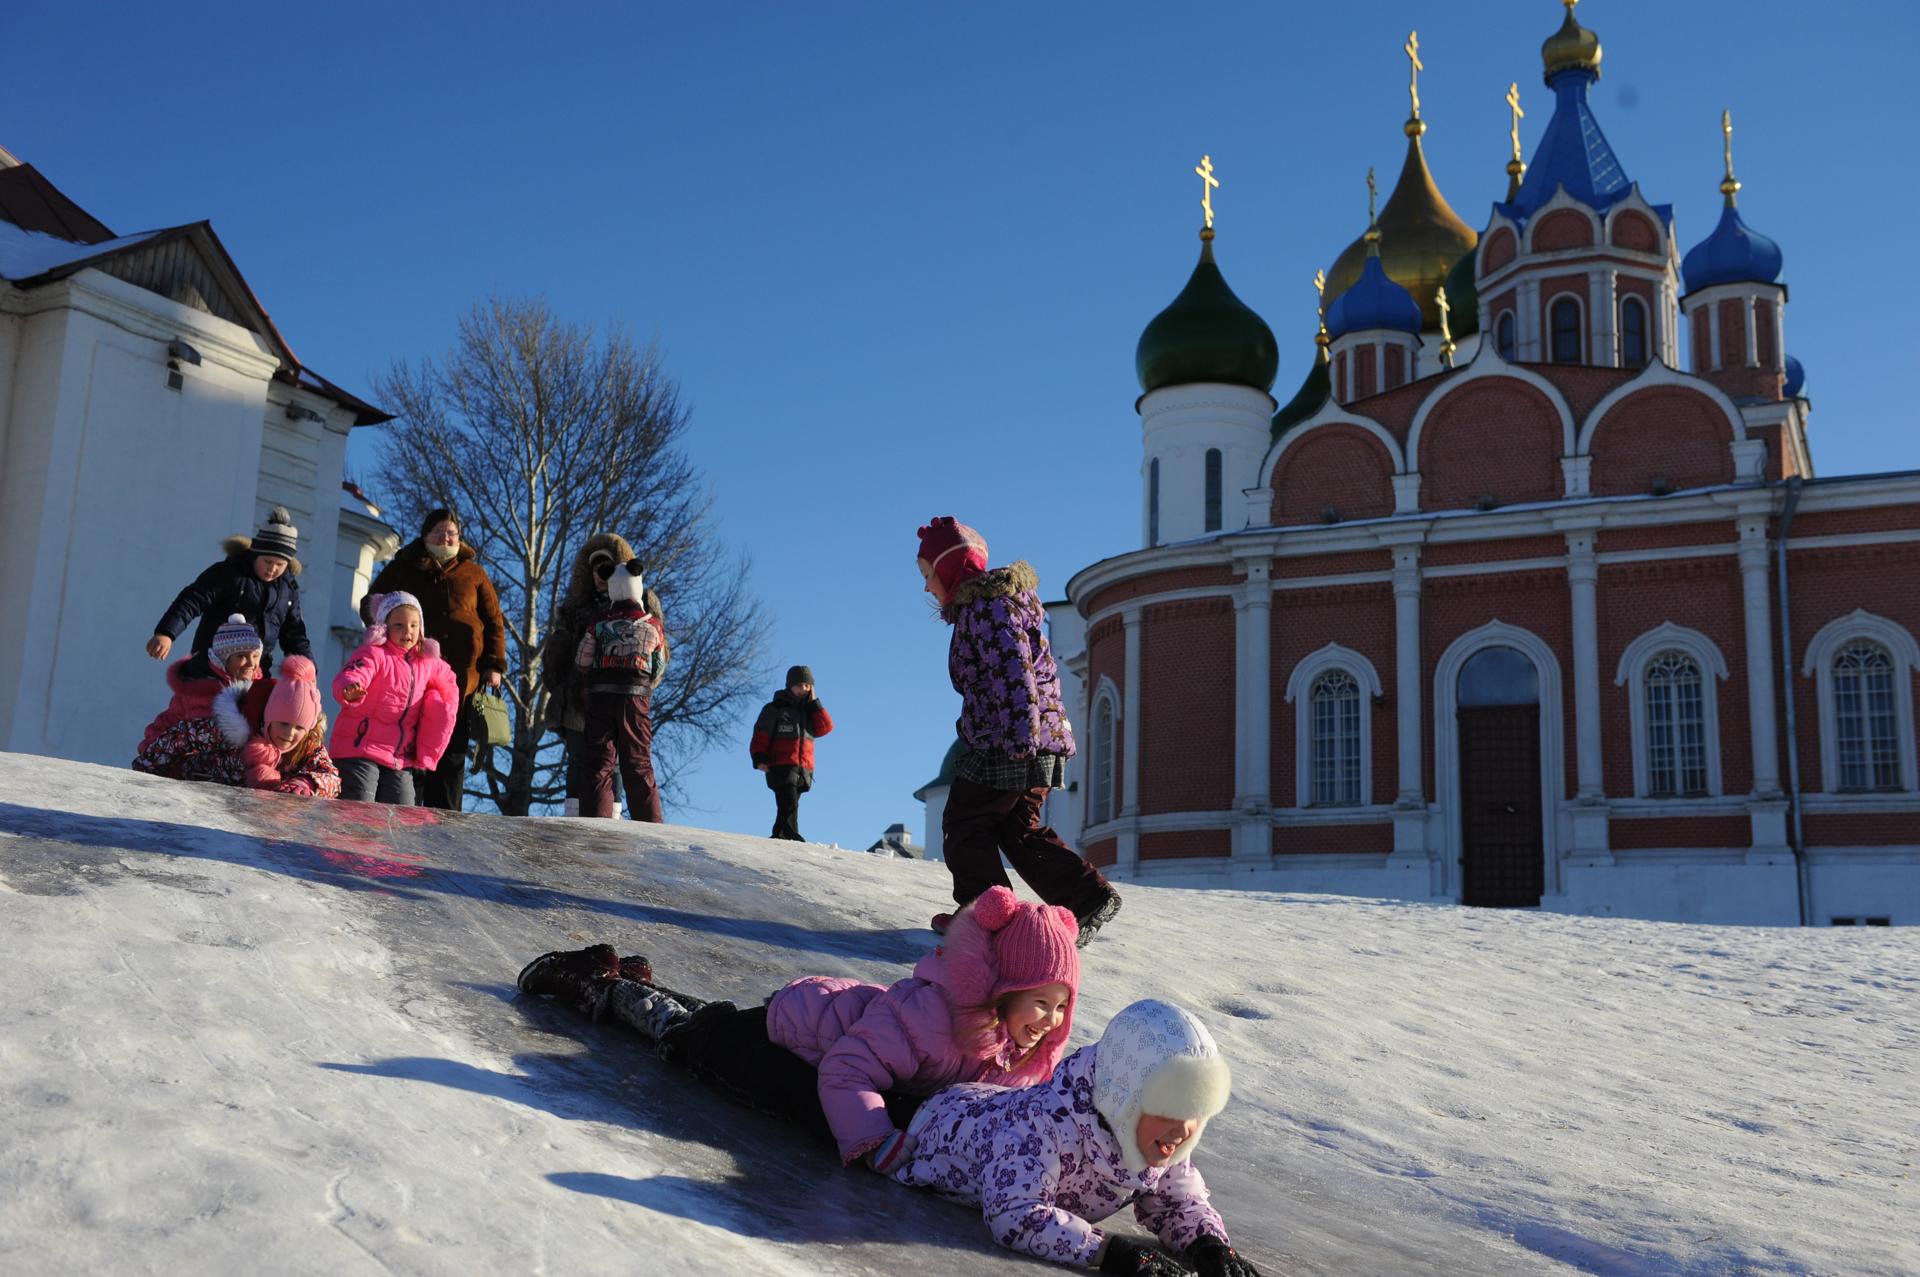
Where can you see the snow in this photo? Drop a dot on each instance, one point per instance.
(248, 1033)
(24, 253)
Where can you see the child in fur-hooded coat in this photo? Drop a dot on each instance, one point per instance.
(259, 579)
(265, 734)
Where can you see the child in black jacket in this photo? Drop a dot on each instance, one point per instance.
(258, 581)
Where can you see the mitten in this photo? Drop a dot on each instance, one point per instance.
(890, 1152)
(1212, 1257)
(1125, 1258)
(299, 785)
(261, 761)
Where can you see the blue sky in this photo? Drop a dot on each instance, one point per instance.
(898, 255)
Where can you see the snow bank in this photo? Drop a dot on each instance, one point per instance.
(247, 1033)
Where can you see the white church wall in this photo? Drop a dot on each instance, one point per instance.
(1067, 637)
(1179, 425)
(10, 325)
(140, 484)
(1864, 882)
(301, 460)
(1725, 893)
(936, 800)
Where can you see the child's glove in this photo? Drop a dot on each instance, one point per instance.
(1124, 1258)
(887, 1156)
(1212, 1257)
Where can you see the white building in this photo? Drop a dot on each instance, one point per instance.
(148, 408)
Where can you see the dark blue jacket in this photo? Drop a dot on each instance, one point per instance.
(230, 586)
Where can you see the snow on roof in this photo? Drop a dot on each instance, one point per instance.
(24, 253)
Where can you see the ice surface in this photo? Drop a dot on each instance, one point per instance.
(250, 1034)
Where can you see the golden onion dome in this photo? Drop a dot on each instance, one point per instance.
(1421, 237)
(1572, 47)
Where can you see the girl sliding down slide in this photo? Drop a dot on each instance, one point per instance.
(994, 1004)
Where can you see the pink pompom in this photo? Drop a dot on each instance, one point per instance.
(299, 668)
(1064, 919)
(995, 907)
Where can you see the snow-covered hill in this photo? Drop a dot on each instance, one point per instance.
(246, 1034)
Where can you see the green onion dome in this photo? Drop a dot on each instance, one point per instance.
(1207, 335)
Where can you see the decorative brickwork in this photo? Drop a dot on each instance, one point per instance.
(1763, 338)
(1666, 536)
(1631, 230)
(1680, 832)
(1584, 387)
(1500, 249)
(1396, 368)
(1880, 518)
(1560, 229)
(1323, 840)
(1662, 433)
(1332, 564)
(1494, 436)
(1450, 553)
(1365, 376)
(1863, 829)
(1342, 467)
(1187, 706)
(1186, 844)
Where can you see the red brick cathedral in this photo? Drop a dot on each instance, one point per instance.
(1530, 596)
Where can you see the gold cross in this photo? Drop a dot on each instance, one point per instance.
(1729, 185)
(1513, 104)
(1446, 334)
(1413, 81)
(1207, 184)
(1320, 291)
(1372, 192)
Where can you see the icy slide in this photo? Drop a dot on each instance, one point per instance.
(248, 1034)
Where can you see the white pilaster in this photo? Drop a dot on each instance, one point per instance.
(1410, 803)
(1604, 304)
(1127, 845)
(1528, 307)
(1754, 562)
(1253, 716)
(1753, 337)
(1590, 803)
(1714, 362)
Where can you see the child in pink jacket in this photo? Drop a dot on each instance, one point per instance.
(232, 657)
(269, 734)
(994, 1003)
(399, 701)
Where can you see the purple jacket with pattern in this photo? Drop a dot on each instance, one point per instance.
(1002, 667)
(1041, 1165)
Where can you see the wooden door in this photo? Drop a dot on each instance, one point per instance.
(1502, 863)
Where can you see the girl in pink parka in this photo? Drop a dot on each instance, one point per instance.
(269, 734)
(994, 1003)
(399, 701)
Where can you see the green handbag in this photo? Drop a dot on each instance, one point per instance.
(487, 711)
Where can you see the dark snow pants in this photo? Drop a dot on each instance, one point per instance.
(981, 823)
(731, 1052)
(445, 787)
(787, 784)
(620, 735)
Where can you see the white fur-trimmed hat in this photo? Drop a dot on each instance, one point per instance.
(1157, 1058)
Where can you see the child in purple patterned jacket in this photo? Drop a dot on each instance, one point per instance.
(1115, 1125)
(1012, 726)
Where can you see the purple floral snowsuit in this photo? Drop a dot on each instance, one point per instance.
(1041, 1164)
(1003, 669)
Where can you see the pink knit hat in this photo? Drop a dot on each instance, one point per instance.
(954, 551)
(296, 694)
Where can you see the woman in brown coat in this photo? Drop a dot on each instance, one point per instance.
(462, 613)
(586, 594)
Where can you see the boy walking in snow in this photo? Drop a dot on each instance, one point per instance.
(782, 747)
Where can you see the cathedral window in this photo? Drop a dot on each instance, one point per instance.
(1676, 728)
(1864, 667)
(1335, 703)
(1564, 318)
(1100, 800)
(1865, 738)
(1633, 333)
(1503, 339)
(1213, 489)
(1153, 502)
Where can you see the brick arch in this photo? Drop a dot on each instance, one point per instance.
(1497, 435)
(1634, 231)
(1501, 248)
(1562, 228)
(1663, 432)
(1340, 465)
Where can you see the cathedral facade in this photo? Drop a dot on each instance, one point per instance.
(1531, 595)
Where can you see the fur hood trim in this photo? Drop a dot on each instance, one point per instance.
(1017, 577)
(242, 544)
(230, 718)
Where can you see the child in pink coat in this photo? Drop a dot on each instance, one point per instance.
(232, 657)
(994, 1003)
(269, 734)
(399, 702)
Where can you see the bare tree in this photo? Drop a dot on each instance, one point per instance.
(541, 433)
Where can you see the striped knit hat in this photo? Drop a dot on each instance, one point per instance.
(235, 636)
(278, 536)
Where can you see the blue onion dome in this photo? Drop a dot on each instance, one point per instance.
(1463, 298)
(1207, 335)
(1796, 379)
(1734, 254)
(1374, 301)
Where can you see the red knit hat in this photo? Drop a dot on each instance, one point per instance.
(954, 551)
(296, 695)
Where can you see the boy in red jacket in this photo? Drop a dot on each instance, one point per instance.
(783, 747)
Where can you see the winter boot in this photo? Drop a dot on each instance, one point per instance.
(641, 1007)
(941, 921)
(1097, 917)
(636, 968)
(573, 976)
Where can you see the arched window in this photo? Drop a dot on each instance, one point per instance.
(1565, 317)
(1503, 339)
(1153, 502)
(1676, 727)
(1866, 735)
(1100, 801)
(1633, 333)
(1499, 676)
(1335, 706)
(1213, 489)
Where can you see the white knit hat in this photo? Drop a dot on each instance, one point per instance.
(1157, 1058)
